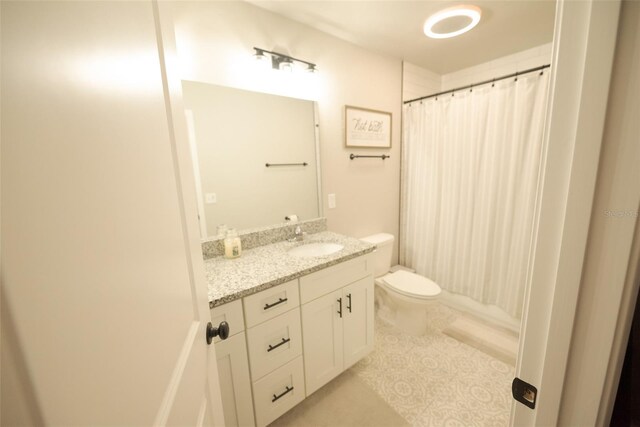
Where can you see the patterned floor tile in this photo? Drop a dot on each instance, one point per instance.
(435, 380)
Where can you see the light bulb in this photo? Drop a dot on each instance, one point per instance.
(261, 58)
(286, 65)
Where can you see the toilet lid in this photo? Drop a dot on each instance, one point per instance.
(412, 284)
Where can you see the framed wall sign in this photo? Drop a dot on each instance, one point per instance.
(367, 128)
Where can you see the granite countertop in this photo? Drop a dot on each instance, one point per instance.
(266, 266)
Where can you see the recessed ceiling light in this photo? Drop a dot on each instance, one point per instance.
(464, 18)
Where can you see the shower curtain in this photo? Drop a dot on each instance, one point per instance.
(471, 163)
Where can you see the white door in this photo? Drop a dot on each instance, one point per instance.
(103, 297)
(358, 320)
(322, 336)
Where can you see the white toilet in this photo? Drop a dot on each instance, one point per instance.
(402, 297)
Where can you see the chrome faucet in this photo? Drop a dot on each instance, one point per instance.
(298, 235)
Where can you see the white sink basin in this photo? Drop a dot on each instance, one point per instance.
(310, 250)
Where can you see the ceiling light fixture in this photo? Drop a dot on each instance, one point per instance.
(473, 14)
(282, 62)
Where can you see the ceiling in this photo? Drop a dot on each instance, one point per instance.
(394, 28)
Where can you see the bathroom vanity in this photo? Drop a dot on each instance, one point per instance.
(296, 319)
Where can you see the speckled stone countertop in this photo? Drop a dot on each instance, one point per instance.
(266, 266)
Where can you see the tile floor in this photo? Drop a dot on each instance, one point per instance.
(435, 380)
(346, 401)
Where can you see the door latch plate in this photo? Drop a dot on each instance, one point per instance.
(524, 392)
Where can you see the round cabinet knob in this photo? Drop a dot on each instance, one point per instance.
(221, 331)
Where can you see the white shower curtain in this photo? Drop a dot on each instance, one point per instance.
(470, 174)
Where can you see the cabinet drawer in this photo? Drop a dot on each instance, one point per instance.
(271, 302)
(274, 343)
(231, 313)
(330, 279)
(278, 392)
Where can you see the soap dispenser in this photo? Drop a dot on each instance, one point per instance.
(232, 244)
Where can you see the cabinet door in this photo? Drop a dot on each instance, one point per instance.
(235, 384)
(322, 338)
(357, 320)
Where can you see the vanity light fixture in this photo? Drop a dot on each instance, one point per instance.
(472, 13)
(260, 56)
(282, 62)
(286, 65)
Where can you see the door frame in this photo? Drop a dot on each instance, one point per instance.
(583, 48)
(610, 277)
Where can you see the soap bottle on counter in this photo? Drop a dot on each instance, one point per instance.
(232, 244)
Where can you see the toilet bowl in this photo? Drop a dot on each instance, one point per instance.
(406, 300)
(402, 297)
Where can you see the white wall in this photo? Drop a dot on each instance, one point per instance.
(18, 400)
(215, 43)
(419, 82)
(509, 64)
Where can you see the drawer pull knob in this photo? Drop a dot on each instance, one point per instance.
(280, 301)
(281, 394)
(273, 347)
(340, 309)
(349, 306)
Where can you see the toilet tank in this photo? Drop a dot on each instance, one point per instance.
(382, 255)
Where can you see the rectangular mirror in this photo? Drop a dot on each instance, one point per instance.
(255, 157)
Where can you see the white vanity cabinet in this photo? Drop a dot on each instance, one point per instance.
(299, 335)
(233, 366)
(337, 319)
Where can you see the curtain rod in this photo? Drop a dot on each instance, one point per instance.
(471, 86)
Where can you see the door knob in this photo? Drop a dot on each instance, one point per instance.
(222, 331)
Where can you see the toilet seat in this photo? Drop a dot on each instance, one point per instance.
(412, 285)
